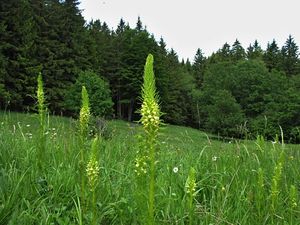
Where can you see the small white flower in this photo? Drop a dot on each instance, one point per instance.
(27, 125)
(214, 158)
(175, 169)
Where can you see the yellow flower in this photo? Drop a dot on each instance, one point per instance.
(92, 170)
(190, 184)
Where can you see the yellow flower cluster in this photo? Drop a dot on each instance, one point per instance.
(84, 118)
(40, 91)
(150, 115)
(92, 170)
(190, 184)
(141, 165)
(293, 196)
(84, 115)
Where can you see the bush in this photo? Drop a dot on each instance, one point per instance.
(224, 114)
(98, 91)
(99, 126)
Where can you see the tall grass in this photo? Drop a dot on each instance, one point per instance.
(230, 188)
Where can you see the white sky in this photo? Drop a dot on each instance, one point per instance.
(187, 25)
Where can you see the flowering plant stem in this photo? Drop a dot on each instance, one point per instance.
(150, 120)
(42, 117)
(190, 189)
(151, 186)
(92, 170)
(83, 129)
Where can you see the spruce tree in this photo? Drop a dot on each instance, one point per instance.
(16, 41)
(59, 47)
(237, 51)
(290, 53)
(139, 25)
(254, 51)
(272, 56)
(222, 55)
(199, 67)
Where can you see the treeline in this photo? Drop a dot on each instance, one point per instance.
(235, 92)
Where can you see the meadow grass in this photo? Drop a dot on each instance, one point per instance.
(234, 181)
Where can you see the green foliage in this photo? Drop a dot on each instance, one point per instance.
(290, 52)
(150, 120)
(224, 114)
(255, 51)
(272, 56)
(92, 172)
(190, 190)
(237, 51)
(266, 98)
(199, 67)
(85, 114)
(42, 110)
(99, 95)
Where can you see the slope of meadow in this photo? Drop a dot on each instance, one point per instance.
(238, 182)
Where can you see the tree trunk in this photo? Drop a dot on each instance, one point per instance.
(130, 109)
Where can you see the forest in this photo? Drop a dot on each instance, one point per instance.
(235, 92)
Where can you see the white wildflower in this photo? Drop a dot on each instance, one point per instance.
(175, 169)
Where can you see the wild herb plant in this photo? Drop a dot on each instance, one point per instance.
(275, 187)
(190, 190)
(293, 199)
(150, 120)
(41, 151)
(84, 119)
(92, 172)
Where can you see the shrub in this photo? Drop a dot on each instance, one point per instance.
(224, 114)
(98, 91)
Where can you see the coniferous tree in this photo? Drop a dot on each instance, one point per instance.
(16, 40)
(225, 51)
(237, 51)
(161, 69)
(139, 25)
(289, 51)
(272, 56)
(121, 26)
(178, 96)
(113, 72)
(254, 51)
(222, 55)
(199, 67)
(60, 50)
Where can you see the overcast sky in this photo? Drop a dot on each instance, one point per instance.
(187, 25)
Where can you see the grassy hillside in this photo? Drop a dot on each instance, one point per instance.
(238, 182)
